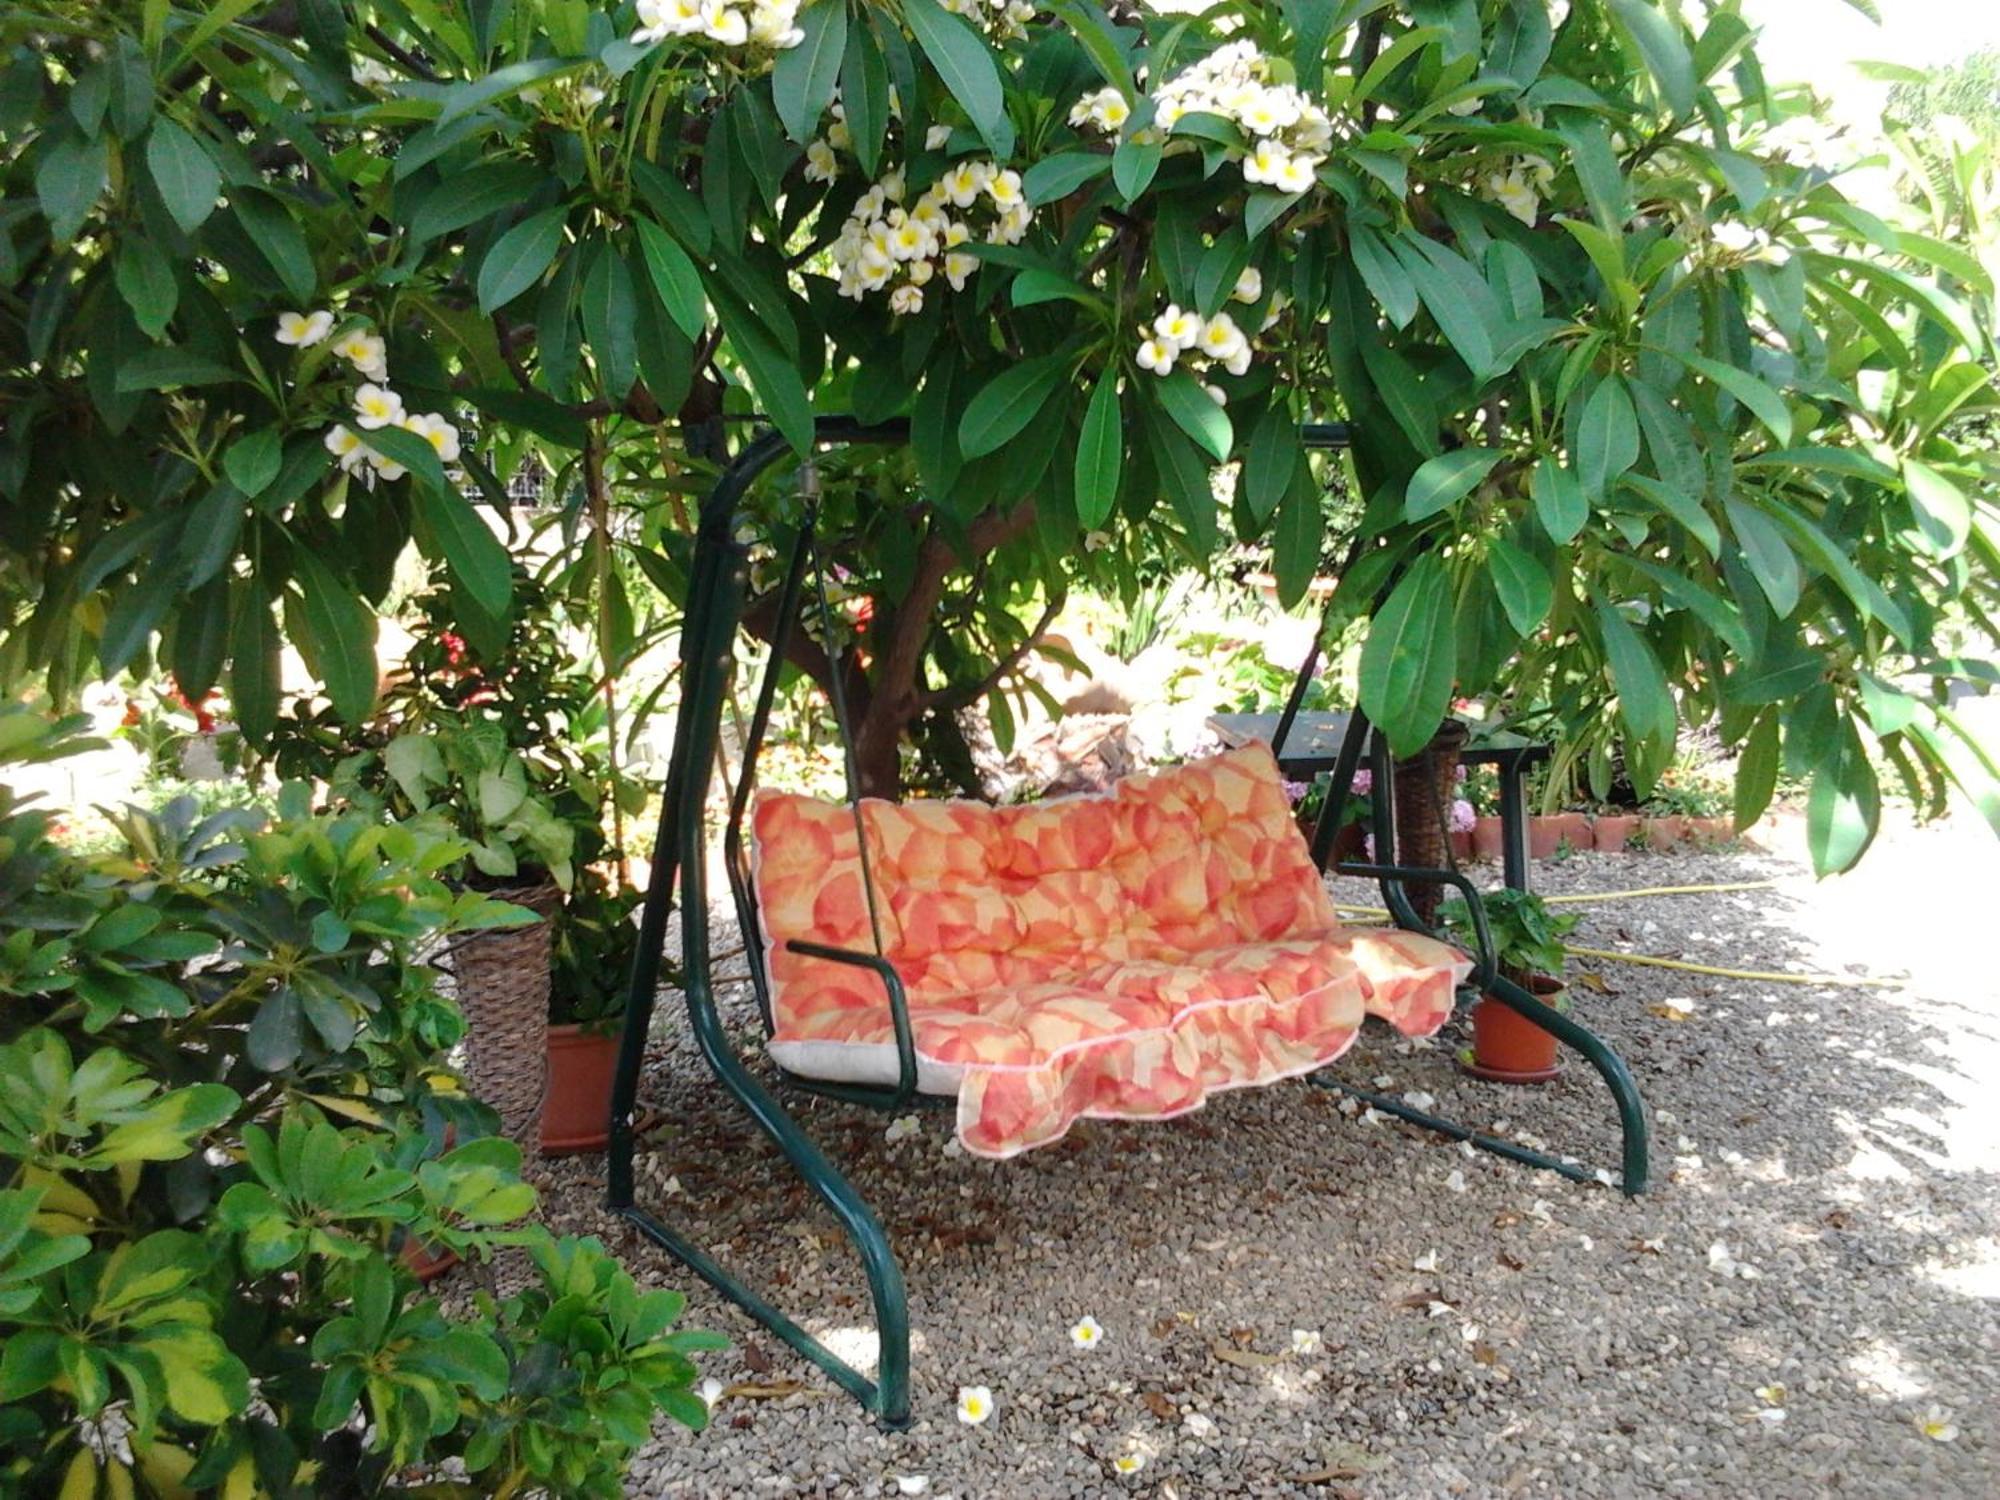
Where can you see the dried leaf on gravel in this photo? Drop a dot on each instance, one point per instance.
(1245, 1359)
(762, 1390)
(1160, 1406)
(1592, 981)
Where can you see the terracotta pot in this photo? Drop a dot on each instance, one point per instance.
(1612, 831)
(1544, 834)
(1461, 844)
(1509, 1048)
(1709, 832)
(427, 1262)
(576, 1110)
(1663, 833)
(1489, 838)
(1573, 829)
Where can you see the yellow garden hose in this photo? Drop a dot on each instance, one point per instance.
(1651, 962)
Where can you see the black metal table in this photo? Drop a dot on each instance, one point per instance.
(1313, 746)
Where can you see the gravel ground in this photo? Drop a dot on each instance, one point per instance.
(1813, 1277)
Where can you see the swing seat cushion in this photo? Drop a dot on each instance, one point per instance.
(1116, 955)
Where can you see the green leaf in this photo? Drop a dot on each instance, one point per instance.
(411, 451)
(804, 77)
(967, 68)
(1194, 411)
(1034, 286)
(334, 630)
(1060, 175)
(276, 1034)
(1559, 501)
(278, 237)
(1607, 437)
(448, 529)
(1410, 658)
(1666, 56)
(519, 257)
(252, 462)
(1766, 404)
(185, 174)
(1133, 164)
(164, 369)
(1100, 454)
(1522, 583)
(1008, 402)
(1844, 806)
(1757, 770)
(1644, 699)
(775, 377)
(674, 277)
(1269, 466)
(864, 89)
(1296, 538)
(254, 665)
(1266, 207)
(145, 279)
(1772, 562)
(1944, 516)
(1387, 280)
(68, 178)
(1683, 508)
(1445, 480)
(465, 197)
(610, 320)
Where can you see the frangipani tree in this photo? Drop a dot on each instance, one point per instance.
(1650, 421)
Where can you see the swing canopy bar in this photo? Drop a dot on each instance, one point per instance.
(1116, 955)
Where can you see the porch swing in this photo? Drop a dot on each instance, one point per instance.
(1117, 955)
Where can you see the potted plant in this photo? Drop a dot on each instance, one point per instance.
(593, 942)
(1309, 798)
(1527, 941)
(463, 780)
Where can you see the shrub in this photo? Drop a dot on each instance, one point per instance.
(224, 1109)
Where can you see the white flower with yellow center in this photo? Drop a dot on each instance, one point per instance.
(1511, 191)
(1167, 113)
(660, 19)
(774, 24)
(838, 135)
(1012, 226)
(920, 272)
(870, 204)
(937, 137)
(377, 406)
(1296, 175)
(1178, 327)
(1216, 394)
(975, 1404)
(386, 468)
(822, 165)
(1265, 163)
(303, 330)
(963, 184)
(365, 351)
(1249, 285)
(346, 446)
(1086, 1332)
(1158, 356)
(911, 240)
(892, 184)
(906, 299)
(722, 23)
(1221, 339)
(929, 212)
(1129, 1463)
(1004, 188)
(432, 427)
(956, 233)
(1937, 1425)
(874, 268)
(1307, 1341)
(958, 268)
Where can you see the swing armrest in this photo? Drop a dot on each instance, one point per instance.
(899, 1005)
(1488, 961)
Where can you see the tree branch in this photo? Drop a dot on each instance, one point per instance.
(951, 699)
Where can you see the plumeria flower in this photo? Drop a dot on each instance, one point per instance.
(1265, 163)
(1249, 286)
(913, 1484)
(821, 163)
(1306, 1342)
(346, 446)
(1937, 1425)
(1179, 328)
(1216, 394)
(907, 299)
(774, 24)
(1736, 238)
(303, 330)
(902, 1128)
(1771, 1395)
(722, 23)
(1222, 340)
(1771, 1416)
(975, 1404)
(1004, 188)
(710, 1391)
(1428, 1261)
(958, 267)
(1158, 356)
(1086, 1332)
(1296, 175)
(434, 429)
(365, 351)
(1511, 191)
(369, 73)
(1129, 1463)
(937, 137)
(377, 406)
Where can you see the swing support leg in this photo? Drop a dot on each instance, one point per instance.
(1571, 1033)
(716, 594)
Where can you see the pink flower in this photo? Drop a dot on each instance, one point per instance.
(1462, 816)
(1364, 782)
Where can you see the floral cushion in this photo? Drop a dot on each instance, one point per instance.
(1113, 955)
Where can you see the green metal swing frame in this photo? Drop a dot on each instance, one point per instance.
(717, 594)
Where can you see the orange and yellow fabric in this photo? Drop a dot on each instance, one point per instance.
(1118, 955)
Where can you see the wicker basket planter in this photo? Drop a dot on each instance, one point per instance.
(1426, 783)
(503, 988)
